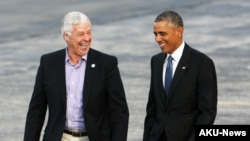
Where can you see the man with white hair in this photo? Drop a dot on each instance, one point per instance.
(82, 89)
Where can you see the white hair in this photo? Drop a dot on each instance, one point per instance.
(72, 18)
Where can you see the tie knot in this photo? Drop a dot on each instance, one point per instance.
(170, 58)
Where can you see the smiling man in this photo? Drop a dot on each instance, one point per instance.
(183, 87)
(82, 89)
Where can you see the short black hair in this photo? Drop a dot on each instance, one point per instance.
(171, 17)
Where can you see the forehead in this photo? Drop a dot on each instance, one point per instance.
(163, 24)
(81, 27)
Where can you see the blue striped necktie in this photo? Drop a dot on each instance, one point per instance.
(168, 74)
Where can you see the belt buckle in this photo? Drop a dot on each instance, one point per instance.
(77, 133)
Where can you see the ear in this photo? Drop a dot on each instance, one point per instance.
(179, 31)
(66, 36)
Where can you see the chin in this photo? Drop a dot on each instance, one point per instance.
(164, 51)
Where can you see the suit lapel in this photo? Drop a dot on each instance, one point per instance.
(182, 67)
(90, 73)
(60, 66)
(159, 68)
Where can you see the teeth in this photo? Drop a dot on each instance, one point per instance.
(162, 45)
(83, 46)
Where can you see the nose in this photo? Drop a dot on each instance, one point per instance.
(157, 38)
(86, 37)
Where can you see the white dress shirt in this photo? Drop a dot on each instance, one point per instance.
(176, 55)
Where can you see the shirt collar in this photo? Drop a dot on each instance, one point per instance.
(67, 56)
(176, 55)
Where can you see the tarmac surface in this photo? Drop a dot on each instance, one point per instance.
(124, 29)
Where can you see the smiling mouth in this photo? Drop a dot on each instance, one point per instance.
(83, 45)
(162, 45)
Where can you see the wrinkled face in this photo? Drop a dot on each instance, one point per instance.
(79, 42)
(167, 36)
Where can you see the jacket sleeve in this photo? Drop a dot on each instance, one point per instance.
(150, 109)
(207, 93)
(118, 108)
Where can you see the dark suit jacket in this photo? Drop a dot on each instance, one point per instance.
(192, 98)
(105, 108)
